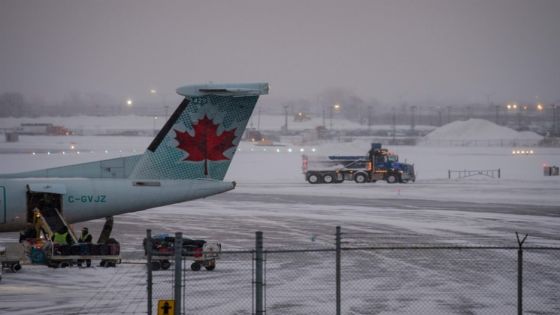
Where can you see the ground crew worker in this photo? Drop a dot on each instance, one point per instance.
(86, 238)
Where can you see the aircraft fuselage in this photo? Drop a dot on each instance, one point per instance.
(87, 199)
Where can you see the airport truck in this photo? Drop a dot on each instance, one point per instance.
(378, 164)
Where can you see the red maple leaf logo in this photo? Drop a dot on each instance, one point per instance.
(205, 145)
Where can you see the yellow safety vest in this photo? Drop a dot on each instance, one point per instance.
(60, 238)
(83, 237)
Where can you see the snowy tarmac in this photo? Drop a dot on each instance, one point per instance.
(272, 196)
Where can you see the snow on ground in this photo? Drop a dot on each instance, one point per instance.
(480, 131)
(273, 197)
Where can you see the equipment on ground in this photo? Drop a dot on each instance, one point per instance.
(11, 255)
(379, 164)
(204, 253)
(42, 250)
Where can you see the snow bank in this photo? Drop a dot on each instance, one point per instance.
(480, 132)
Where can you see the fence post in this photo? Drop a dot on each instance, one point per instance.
(499, 173)
(259, 298)
(338, 259)
(520, 273)
(148, 249)
(449, 174)
(178, 270)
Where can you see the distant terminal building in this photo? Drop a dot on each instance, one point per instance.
(43, 129)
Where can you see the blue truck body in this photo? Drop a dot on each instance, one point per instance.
(378, 164)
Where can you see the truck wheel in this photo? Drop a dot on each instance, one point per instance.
(64, 264)
(391, 179)
(165, 264)
(195, 266)
(313, 178)
(210, 267)
(328, 178)
(15, 267)
(360, 178)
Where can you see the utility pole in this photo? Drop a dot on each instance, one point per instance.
(370, 119)
(394, 124)
(554, 132)
(285, 118)
(412, 117)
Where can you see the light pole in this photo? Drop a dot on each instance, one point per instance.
(554, 132)
(154, 125)
(511, 108)
(412, 118)
(163, 102)
(334, 108)
(128, 102)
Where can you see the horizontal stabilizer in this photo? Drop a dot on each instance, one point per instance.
(240, 89)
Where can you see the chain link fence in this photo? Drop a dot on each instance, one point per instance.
(358, 279)
(120, 290)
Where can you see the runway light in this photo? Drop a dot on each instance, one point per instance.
(78, 152)
(313, 150)
(290, 150)
(531, 152)
(513, 152)
(72, 147)
(301, 150)
(264, 149)
(63, 153)
(278, 150)
(49, 153)
(33, 153)
(106, 151)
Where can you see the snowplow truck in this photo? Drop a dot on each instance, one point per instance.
(378, 164)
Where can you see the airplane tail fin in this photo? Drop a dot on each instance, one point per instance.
(200, 138)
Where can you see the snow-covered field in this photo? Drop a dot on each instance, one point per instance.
(272, 196)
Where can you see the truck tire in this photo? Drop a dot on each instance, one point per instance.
(328, 178)
(360, 178)
(165, 264)
(15, 267)
(313, 178)
(195, 266)
(64, 264)
(392, 178)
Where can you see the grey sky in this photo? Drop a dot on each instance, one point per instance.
(392, 50)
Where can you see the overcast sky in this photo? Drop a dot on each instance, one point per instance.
(391, 50)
